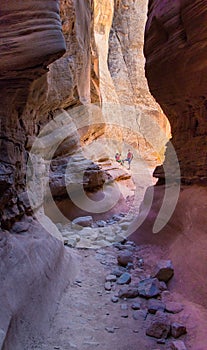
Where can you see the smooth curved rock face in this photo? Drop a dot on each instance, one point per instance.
(30, 34)
(34, 265)
(34, 269)
(31, 38)
(183, 240)
(176, 69)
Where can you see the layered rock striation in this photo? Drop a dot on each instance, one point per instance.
(46, 68)
(175, 50)
(32, 260)
(20, 65)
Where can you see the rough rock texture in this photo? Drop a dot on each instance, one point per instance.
(33, 263)
(37, 97)
(31, 98)
(149, 288)
(164, 270)
(87, 73)
(175, 31)
(20, 65)
(119, 28)
(177, 329)
(46, 37)
(159, 326)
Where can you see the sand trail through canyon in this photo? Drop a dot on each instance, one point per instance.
(87, 319)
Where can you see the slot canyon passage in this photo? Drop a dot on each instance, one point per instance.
(96, 254)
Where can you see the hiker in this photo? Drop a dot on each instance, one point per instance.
(118, 158)
(129, 158)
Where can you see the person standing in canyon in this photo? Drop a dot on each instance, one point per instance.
(118, 158)
(129, 158)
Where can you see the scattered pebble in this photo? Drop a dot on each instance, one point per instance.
(129, 266)
(125, 278)
(77, 284)
(163, 286)
(128, 292)
(131, 243)
(107, 286)
(118, 271)
(84, 221)
(178, 345)
(159, 326)
(136, 306)
(110, 329)
(139, 314)
(71, 242)
(149, 288)
(177, 329)
(101, 223)
(140, 263)
(114, 299)
(164, 270)
(78, 281)
(154, 305)
(111, 278)
(124, 258)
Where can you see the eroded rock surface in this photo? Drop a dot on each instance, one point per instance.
(32, 260)
(175, 50)
(31, 97)
(119, 38)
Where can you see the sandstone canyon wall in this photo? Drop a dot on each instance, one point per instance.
(33, 263)
(102, 124)
(126, 101)
(34, 91)
(175, 50)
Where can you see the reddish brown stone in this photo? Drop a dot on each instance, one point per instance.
(177, 79)
(124, 258)
(164, 270)
(177, 329)
(159, 327)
